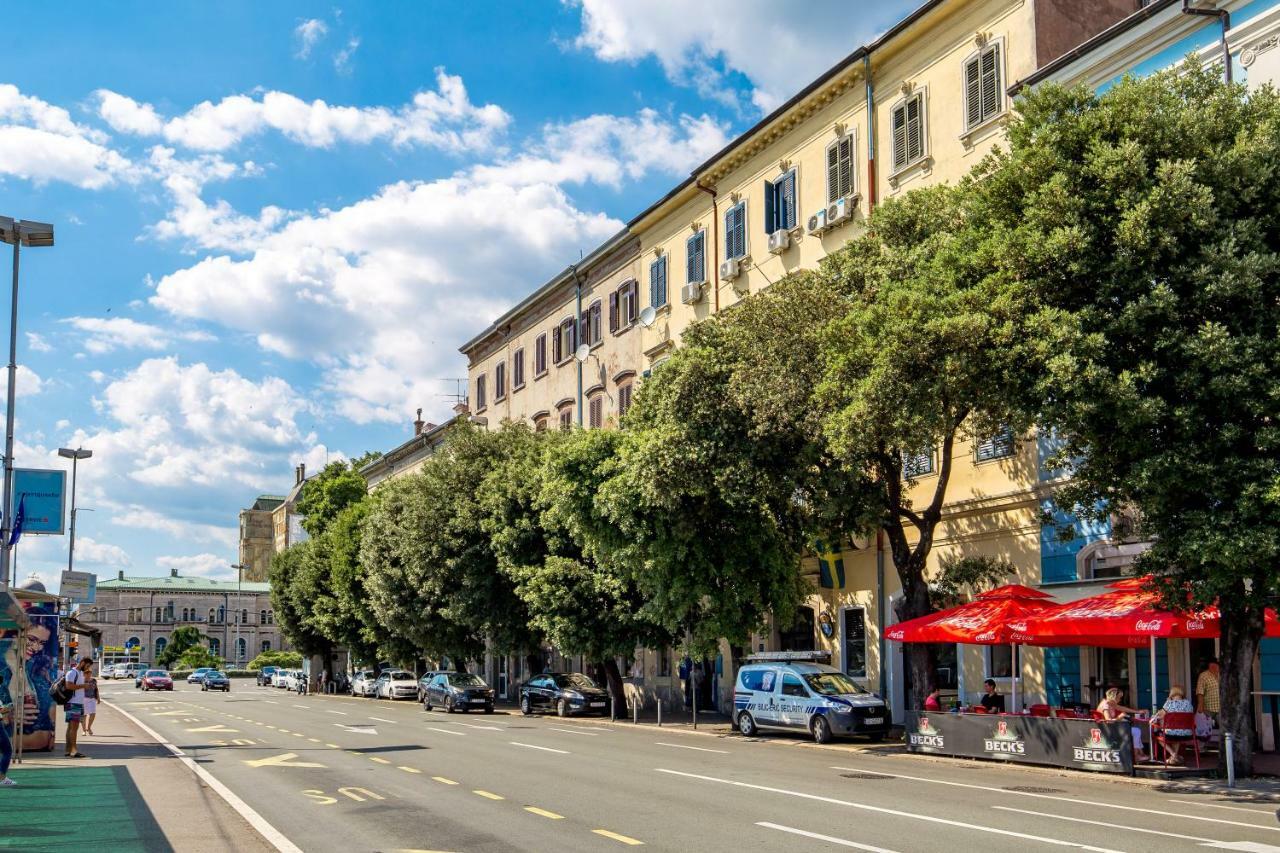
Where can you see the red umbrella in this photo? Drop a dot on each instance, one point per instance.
(1127, 615)
(983, 621)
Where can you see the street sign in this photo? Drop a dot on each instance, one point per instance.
(42, 494)
(80, 587)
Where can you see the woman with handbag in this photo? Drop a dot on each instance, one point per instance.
(90, 701)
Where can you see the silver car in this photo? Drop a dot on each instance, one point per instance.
(362, 683)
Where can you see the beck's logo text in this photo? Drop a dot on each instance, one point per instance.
(1096, 750)
(1005, 742)
(926, 736)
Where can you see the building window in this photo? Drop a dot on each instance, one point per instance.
(266, 645)
(735, 231)
(133, 642)
(840, 169)
(664, 662)
(907, 123)
(695, 270)
(242, 649)
(996, 446)
(1000, 662)
(159, 614)
(540, 424)
(500, 381)
(566, 418)
(540, 355)
(624, 399)
(481, 402)
(595, 411)
(983, 98)
(517, 370)
(855, 642)
(623, 308)
(565, 342)
(213, 616)
(160, 644)
(262, 617)
(244, 617)
(780, 202)
(215, 646)
(271, 617)
(658, 282)
(917, 464)
(591, 325)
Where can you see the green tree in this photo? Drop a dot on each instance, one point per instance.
(336, 487)
(277, 658)
(1147, 219)
(343, 612)
(181, 639)
(196, 657)
(291, 576)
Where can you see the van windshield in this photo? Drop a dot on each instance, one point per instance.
(832, 684)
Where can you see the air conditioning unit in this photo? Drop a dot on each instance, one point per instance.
(779, 241)
(730, 269)
(839, 211)
(818, 222)
(691, 293)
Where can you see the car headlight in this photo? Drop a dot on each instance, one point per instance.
(842, 709)
(574, 695)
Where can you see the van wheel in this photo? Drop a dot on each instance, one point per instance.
(821, 730)
(746, 725)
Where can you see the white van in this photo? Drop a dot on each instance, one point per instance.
(812, 697)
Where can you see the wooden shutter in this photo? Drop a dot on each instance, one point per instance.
(480, 392)
(596, 335)
(695, 266)
(846, 166)
(540, 354)
(517, 369)
(899, 123)
(556, 355)
(771, 194)
(991, 82)
(973, 91)
(786, 213)
(633, 303)
(833, 172)
(613, 311)
(915, 130)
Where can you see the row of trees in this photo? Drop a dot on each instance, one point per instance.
(1110, 277)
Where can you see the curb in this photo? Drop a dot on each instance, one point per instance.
(269, 833)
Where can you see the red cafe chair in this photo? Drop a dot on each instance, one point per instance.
(979, 709)
(1178, 720)
(1039, 710)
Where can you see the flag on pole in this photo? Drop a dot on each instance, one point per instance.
(17, 521)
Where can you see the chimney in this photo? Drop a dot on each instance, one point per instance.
(120, 575)
(461, 408)
(418, 425)
(173, 572)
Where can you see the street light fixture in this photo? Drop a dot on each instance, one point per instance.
(33, 235)
(75, 456)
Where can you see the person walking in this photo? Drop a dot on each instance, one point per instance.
(75, 679)
(1208, 691)
(90, 701)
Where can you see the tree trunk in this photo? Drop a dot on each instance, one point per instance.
(617, 691)
(1242, 630)
(920, 656)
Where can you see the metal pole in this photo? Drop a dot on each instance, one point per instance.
(1229, 740)
(7, 520)
(1153, 678)
(71, 546)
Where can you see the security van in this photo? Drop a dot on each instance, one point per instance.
(780, 692)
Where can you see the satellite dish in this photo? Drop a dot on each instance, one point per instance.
(648, 316)
(582, 353)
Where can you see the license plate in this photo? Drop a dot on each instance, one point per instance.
(477, 701)
(873, 721)
(597, 704)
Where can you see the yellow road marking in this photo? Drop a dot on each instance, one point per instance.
(634, 842)
(543, 813)
(379, 760)
(355, 752)
(487, 795)
(285, 760)
(333, 746)
(444, 781)
(409, 769)
(314, 739)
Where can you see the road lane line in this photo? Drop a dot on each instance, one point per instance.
(573, 732)
(379, 760)
(697, 748)
(408, 769)
(444, 781)
(543, 813)
(333, 746)
(1093, 822)
(634, 842)
(1096, 803)
(381, 720)
(818, 837)
(314, 739)
(543, 748)
(272, 702)
(343, 713)
(1267, 812)
(488, 795)
(447, 731)
(881, 810)
(475, 726)
(303, 707)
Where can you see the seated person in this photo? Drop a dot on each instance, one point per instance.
(1111, 709)
(992, 701)
(931, 702)
(1177, 703)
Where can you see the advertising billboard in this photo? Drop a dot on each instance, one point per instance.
(80, 587)
(42, 494)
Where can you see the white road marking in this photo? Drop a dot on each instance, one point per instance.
(881, 810)
(303, 707)
(1096, 803)
(827, 838)
(543, 748)
(1229, 808)
(486, 728)
(1245, 846)
(697, 748)
(572, 731)
(343, 713)
(1092, 822)
(357, 729)
(447, 731)
(381, 720)
(272, 702)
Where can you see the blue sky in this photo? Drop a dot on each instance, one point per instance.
(276, 222)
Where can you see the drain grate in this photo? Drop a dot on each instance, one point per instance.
(1032, 789)
(871, 777)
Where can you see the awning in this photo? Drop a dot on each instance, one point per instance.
(984, 621)
(1128, 615)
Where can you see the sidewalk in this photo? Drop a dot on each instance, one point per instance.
(130, 794)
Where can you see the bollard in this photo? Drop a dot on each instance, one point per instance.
(635, 713)
(1231, 759)
(659, 713)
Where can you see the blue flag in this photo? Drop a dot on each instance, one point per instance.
(17, 521)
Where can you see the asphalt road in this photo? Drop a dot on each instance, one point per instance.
(345, 774)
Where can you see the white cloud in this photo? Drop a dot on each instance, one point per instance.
(36, 343)
(202, 565)
(92, 553)
(443, 118)
(39, 142)
(29, 382)
(127, 115)
(105, 334)
(308, 33)
(205, 225)
(342, 59)
(702, 45)
(142, 518)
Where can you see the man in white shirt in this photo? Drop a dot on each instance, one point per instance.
(75, 678)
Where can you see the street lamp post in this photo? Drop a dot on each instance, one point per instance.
(75, 456)
(239, 567)
(32, 235)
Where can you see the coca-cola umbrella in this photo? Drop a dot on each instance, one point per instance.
(984, 621)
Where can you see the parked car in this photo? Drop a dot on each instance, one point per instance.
(566, 692)
(198, 676)
(156, 679)
(264, 675)
(362, 683)
(278, 677)
(396, 684)
(427, 678)
(113, 671)
(458, 691)
(288, 681)
(214, 680)
(133, 669)
(810, 697)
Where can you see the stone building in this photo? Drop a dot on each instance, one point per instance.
(257, 536)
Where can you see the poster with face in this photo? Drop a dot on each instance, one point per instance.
(39, 668)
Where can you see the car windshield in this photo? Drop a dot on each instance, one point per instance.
(574, 679)
(157, 673)
(213, 673)
(465, 679)
(401, 676)
(832, 684)
(203, 669)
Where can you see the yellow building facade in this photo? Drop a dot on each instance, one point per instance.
(923, 104)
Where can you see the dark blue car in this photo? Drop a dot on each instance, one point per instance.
(214, 680)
